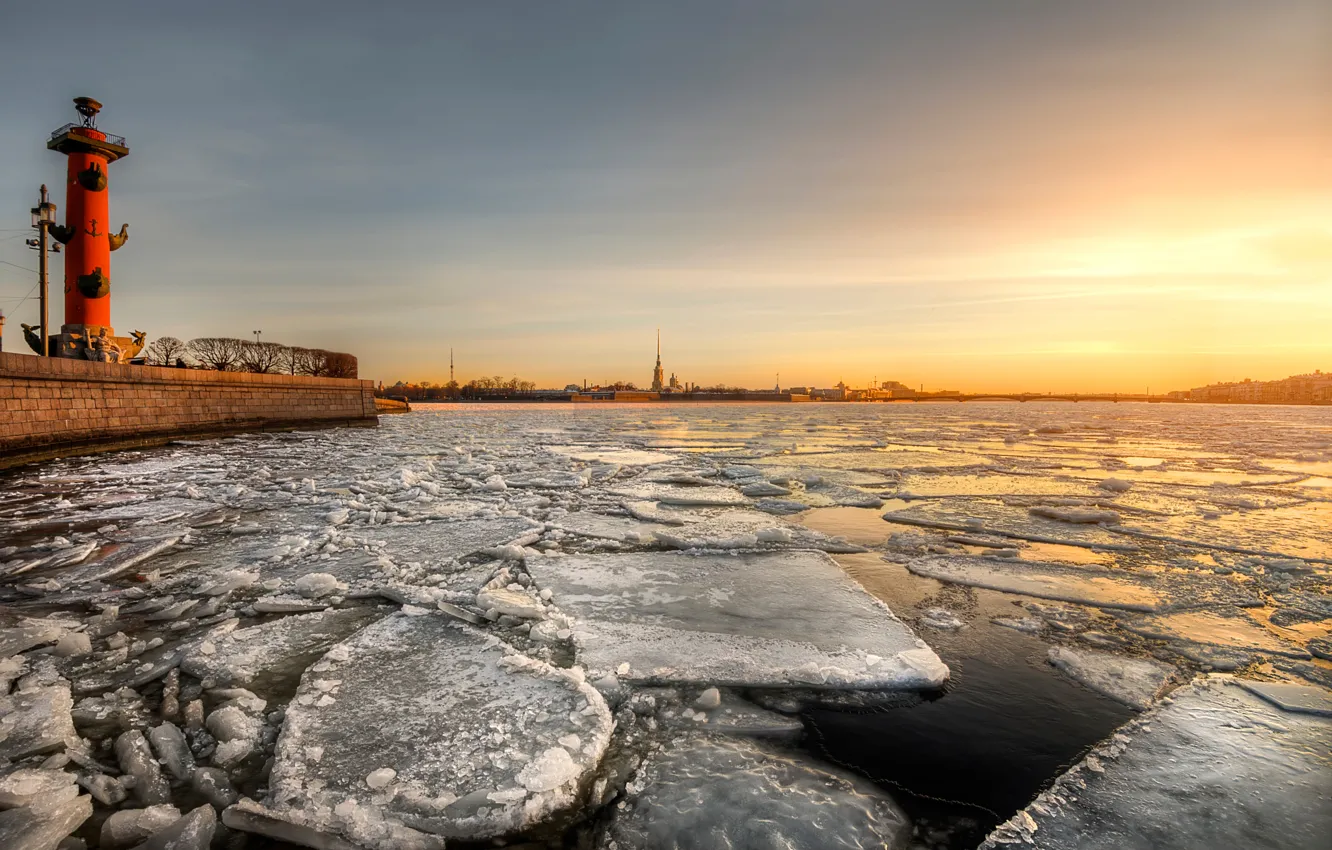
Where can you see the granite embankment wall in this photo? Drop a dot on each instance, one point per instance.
(392, 405)
(54, 407)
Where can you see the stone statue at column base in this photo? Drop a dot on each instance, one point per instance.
(97, 343)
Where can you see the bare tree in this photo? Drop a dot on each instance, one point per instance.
(291, 359)
(262, 357)
(339, 365)
(216, 352)
(310, 361)
(165, 351)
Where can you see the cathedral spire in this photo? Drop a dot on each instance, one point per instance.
(658, 376)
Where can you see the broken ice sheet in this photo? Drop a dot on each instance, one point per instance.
(266, 655)
(43, 826)
(1214, 766)
(620, 455)
(422, 725)
(435, 544)
(1292, 696)
(987, 482)
(876, 461)
(735, 716)
(1042, 580)
(35, 721)
(1224, 627)
(25, 634)
(987, 516)
(1136, 682)
(618, 528)
(675, 494)
(116, 670)
(116, 560)
(762, 619)
(746, 529)
(1299, 531)
(552, 479)
(710, 792)
(146, 511)
(811, 476)
(399, 556)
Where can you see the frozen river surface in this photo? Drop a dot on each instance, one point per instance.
(657, 626)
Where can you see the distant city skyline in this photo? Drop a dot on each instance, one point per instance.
(967, 195)
(886, 379)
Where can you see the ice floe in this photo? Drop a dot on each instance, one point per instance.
(709, 792)
(674, 494)
(1042, 580)
(35, 721)
(1213, 766)
(1292, 696)
(622, 456)
(1136, 682)
(749, 618)
(1225, 628)
(470, 730)
(43, 826)
(276, 650)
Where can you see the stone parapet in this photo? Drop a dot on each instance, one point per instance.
(50, 407)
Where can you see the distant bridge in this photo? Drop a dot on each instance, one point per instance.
(1024, 397)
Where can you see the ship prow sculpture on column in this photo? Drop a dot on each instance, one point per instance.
(87, 333)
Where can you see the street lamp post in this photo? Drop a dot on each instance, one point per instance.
(43, 216)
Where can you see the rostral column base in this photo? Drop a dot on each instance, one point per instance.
(95, 342)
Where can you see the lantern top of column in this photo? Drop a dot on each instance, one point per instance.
(84, 137)
(88, 108)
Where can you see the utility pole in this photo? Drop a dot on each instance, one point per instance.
(450, 365)
(43, 216)
(44, 278)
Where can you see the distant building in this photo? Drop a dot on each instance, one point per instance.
(1312, 388)
(897, 389)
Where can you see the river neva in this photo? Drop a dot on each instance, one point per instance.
(681, 626)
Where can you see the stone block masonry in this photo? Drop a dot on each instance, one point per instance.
(52, 407)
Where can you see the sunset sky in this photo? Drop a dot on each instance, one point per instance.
(982, 195)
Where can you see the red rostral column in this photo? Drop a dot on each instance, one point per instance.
(87, 332)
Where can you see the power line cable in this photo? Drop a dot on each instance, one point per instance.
(24, 298)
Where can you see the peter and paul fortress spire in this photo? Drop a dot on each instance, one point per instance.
(658, 376)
